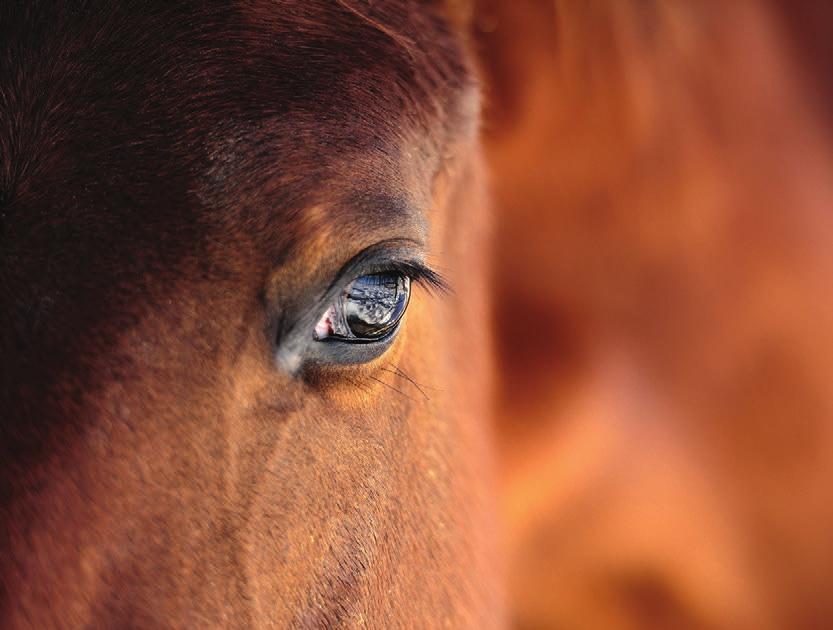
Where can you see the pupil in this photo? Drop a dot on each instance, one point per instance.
(373, 304)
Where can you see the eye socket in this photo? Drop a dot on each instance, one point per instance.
(366, 310)
(355, 320)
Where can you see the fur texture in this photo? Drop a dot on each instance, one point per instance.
(175, 180)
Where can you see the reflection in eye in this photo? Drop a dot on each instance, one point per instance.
(367, 309)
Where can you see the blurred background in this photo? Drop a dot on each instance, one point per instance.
(663, 182)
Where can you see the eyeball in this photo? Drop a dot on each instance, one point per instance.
(367, 310)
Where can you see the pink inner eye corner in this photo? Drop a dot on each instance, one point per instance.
(324, 327)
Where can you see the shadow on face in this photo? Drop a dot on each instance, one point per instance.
(233, 392)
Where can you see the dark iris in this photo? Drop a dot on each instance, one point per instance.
(374, 304)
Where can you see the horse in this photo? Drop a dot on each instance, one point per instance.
(243, 317)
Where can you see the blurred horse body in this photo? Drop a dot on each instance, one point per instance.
(663, 309)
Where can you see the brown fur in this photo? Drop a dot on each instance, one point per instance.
(175, 180)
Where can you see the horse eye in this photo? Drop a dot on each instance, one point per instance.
(366, 310)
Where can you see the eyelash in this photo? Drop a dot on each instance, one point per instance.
(421, 274)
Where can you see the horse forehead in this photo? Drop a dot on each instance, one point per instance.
(235, 94)
(362, 96)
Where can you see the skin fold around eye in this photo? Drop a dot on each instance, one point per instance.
(356, 318)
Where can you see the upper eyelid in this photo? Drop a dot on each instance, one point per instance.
(400, 255)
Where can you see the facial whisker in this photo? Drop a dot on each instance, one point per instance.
(397, 372)
(396, 389)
